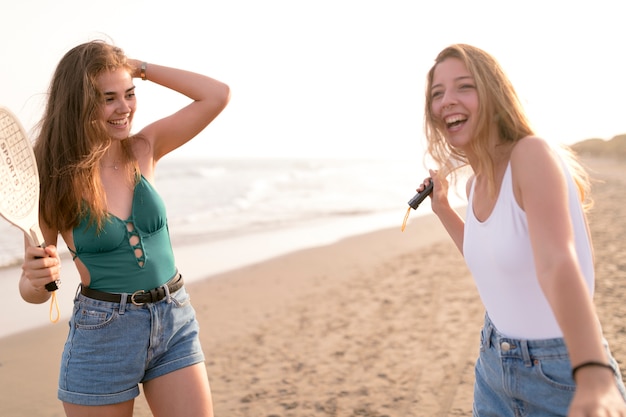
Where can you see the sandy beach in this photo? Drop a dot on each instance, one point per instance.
(380, 324)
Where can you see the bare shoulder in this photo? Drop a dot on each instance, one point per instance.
(529, 146)
(534, 161)
(532, 151)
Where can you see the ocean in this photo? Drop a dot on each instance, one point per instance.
(228, 213)
(213, 199)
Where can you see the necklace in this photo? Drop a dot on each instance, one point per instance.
(114, 166)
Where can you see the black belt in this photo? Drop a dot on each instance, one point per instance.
(139, 297)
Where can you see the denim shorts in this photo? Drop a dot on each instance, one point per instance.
(525, 377)
(112, 347)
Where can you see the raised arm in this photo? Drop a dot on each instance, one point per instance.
(209, 99)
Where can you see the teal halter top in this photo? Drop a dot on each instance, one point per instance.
(132, 254)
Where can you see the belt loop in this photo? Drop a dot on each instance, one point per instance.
(167, 293)
(488, 329)
(123, 301)
(525, 353)
(488, 334)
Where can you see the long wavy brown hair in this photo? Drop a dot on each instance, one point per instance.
(72, 139)
(500, 116)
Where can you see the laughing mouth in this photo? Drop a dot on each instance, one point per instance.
(120, 122)
(455, 120)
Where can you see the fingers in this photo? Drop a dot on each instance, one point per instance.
(51, 251)
(434, 174)
(439, 181)
(136, 65)
(41, 266)
(423, 185)
(428, 180)
(39, 252)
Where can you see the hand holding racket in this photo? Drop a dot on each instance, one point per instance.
(19, 182)
(448, 168)
(417, 200)
(421, 196)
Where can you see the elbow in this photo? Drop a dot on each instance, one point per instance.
(218, 94)
(224, 95)
(216, 100)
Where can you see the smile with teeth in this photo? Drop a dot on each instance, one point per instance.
(455, 120)
(119, 122)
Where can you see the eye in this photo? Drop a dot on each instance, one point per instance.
(130, 95)
(466, 86)
(435, 94)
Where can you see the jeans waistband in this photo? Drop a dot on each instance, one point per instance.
(525, 349)
(139, 297)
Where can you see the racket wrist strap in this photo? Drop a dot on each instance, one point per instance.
(55, 312)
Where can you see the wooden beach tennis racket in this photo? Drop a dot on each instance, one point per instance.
(19, 186)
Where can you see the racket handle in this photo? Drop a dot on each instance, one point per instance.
(35, 237)
(419, 197)
(54, 285)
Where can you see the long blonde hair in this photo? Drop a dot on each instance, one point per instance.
(72, 138)
(497, 99)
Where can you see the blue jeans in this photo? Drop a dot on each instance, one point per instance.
(531, 378)
(112, 347)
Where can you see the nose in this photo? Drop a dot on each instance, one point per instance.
(448, 99)
(124, 107)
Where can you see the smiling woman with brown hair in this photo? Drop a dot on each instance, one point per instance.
(132, 321)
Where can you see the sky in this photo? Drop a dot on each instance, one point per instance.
(331, 78)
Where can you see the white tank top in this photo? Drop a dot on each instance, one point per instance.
(499, 255)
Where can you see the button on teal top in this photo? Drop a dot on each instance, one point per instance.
(114, 263)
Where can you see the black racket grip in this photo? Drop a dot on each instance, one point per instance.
(419, 197)
(54, 285)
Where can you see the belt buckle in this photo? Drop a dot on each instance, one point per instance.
(136, 293)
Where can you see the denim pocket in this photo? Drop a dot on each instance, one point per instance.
(181, 298)
(556, 372)
(93, 317)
